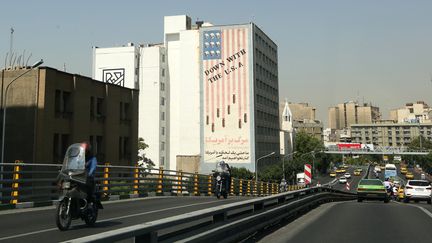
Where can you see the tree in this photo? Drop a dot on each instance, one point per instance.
(142, 159)
(424, 161)
(241, 173)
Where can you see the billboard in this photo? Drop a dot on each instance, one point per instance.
(226, 78)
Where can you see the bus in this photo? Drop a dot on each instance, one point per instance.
(390, 171)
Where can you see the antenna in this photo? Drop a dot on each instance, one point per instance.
(11, 45)
(28, 59)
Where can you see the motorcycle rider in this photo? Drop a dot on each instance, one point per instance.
(226, 170)
(283, 185)
(388, 186)
(90, 166)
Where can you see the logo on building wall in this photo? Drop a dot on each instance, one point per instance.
(114, 76)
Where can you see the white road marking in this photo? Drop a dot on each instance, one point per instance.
(416, 206)
(110, 219)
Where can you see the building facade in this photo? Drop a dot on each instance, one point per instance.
(142, 67)
(412, 112)
(344, 115)
(220, 86)
(302, 111)
(240, 112)
(47, 110)
(390, 134)
(287, 131)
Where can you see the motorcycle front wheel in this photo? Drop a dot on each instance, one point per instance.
(63, 219)
(91, 215)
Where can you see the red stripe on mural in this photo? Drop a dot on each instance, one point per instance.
(223, 75)
(245, 83)
(239, 80)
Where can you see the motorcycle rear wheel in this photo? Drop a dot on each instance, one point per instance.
(63, 220)
(91, 216)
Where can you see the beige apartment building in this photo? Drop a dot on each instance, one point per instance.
(302, 111)
(349, 113)
(390, 133)
(412, 112)
(47, 110)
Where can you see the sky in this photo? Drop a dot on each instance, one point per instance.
(330, 52)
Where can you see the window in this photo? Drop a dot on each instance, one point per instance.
(163, 116)
(162, 161)
(163, 57)
(57, 101)
(162, 146)
(63, 104)
(162, 101)
(163, 130)
(92, 104)
(99, 107)
(162, 86)
(163, 72)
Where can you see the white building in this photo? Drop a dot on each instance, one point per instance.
(287, 131)
(215, 94)
(140, 67)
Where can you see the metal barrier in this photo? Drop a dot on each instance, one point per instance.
(227, 223)
(24, 182)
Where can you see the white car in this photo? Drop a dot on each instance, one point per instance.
(347, 175)
(342, 179)
(417, 190)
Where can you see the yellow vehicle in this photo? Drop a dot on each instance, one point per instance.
(403, 170)
(409, 176)
(332, 174)
(359, 169)
(357, 172)
(344, 166)
(343, 170)
(400, 195)
(382, 167)
(339, 170)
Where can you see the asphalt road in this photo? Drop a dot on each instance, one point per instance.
(358, 222)
(38, 224)
(370, 221)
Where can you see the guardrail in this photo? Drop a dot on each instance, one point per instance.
(227, 223)
(37, 183)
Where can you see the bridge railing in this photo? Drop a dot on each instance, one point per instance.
(227, 223)
(37, 183)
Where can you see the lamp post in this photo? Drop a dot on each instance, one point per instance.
(256, 164)
(37, 64)
(283, 163)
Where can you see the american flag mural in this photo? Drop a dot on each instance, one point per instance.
(225, 65)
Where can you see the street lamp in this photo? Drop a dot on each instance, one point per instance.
(256, 164)
(37, 64)
(283, 162)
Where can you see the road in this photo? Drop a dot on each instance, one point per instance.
(38, 225)
(370, 221)
(358, 222)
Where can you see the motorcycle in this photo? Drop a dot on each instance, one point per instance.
(221, 178)
(73, 203)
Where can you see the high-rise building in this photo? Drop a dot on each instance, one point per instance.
(141, 67)
(344, 115)
(218, 92)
